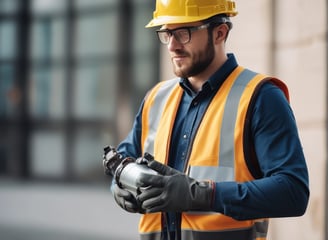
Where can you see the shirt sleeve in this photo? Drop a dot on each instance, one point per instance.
(283, 191)
(131, 145)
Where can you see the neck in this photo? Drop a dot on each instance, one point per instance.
(197, 81)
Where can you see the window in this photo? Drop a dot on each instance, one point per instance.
(68, 69)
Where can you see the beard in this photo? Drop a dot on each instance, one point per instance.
(199, 61)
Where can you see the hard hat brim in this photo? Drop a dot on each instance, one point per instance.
(159, 21)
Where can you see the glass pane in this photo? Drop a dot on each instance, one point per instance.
(145, 76)
(85, 4)
(144, 72)
(48, 6)
(47, 154)
(95, 91)
(145, 3)
(144, 39)
(47, 92)
(96, 35)
(48, 39)
(9, 93)
(88, 153)
(145, 46)
(7, 39)
(8, 6)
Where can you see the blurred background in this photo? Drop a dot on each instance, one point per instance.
(72, 76)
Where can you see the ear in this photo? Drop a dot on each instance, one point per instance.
(220, 33)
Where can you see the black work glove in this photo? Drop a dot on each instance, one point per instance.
(174, 191)
(126, 199)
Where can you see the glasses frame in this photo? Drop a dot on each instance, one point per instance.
(172, 32)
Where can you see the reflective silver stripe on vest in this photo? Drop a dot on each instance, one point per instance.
(155, 112)
(216, 174)
(225, 171)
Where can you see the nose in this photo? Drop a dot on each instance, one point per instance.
(173, 44)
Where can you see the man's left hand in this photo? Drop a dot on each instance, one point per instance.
(174, 192)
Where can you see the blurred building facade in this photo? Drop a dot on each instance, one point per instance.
(288, 39)
(73, 73)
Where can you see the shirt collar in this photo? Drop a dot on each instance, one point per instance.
(216, 80)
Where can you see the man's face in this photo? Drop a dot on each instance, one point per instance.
(192, 58)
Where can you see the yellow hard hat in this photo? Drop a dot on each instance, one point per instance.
(184, 11)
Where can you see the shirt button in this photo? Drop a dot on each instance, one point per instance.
(195, 103)
(185, 136)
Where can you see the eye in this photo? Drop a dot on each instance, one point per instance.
(182, 35)
(164, 36)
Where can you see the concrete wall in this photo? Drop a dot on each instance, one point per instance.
(301, 31)
(288, 39)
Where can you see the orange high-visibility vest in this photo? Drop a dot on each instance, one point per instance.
(217, 152)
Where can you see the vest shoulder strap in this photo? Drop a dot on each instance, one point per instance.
(249, 148)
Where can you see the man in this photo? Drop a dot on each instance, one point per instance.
(224, 137)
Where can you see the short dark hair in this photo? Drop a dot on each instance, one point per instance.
(219, 19)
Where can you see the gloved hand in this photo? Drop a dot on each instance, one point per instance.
(174, 191)
(125, 199)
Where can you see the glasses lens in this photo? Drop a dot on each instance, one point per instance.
(182, 35)
(164, 36)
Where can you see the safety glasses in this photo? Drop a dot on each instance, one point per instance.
(182, 34)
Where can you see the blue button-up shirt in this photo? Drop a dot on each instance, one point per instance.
(283, 190)
(191, 110)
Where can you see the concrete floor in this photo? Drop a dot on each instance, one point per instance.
(43, 211)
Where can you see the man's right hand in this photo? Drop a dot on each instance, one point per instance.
(125, 199)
